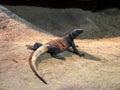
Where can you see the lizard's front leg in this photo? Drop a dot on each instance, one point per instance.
(76, 51)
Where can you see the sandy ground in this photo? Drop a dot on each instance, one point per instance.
(98, 70)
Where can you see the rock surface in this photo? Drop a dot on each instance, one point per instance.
(98, 70)
(102, 24)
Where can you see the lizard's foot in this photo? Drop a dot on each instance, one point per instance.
(81, 54)
(29, 47)
(58, 56)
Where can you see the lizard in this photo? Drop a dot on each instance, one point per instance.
(54, 47)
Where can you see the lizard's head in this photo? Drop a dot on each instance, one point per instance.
(75, 33)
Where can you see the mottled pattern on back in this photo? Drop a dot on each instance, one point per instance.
(60, 43)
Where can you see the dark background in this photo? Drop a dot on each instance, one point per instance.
(93, 5)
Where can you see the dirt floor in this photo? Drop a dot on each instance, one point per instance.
(98, 70)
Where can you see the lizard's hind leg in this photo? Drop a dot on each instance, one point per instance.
(58, 56)
(55, 53)
(35, 46)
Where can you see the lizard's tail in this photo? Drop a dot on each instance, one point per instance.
(33, 60)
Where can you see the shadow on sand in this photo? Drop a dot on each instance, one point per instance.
(88, 56)
(65, 54)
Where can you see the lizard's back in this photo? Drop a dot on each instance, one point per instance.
(60, 43)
